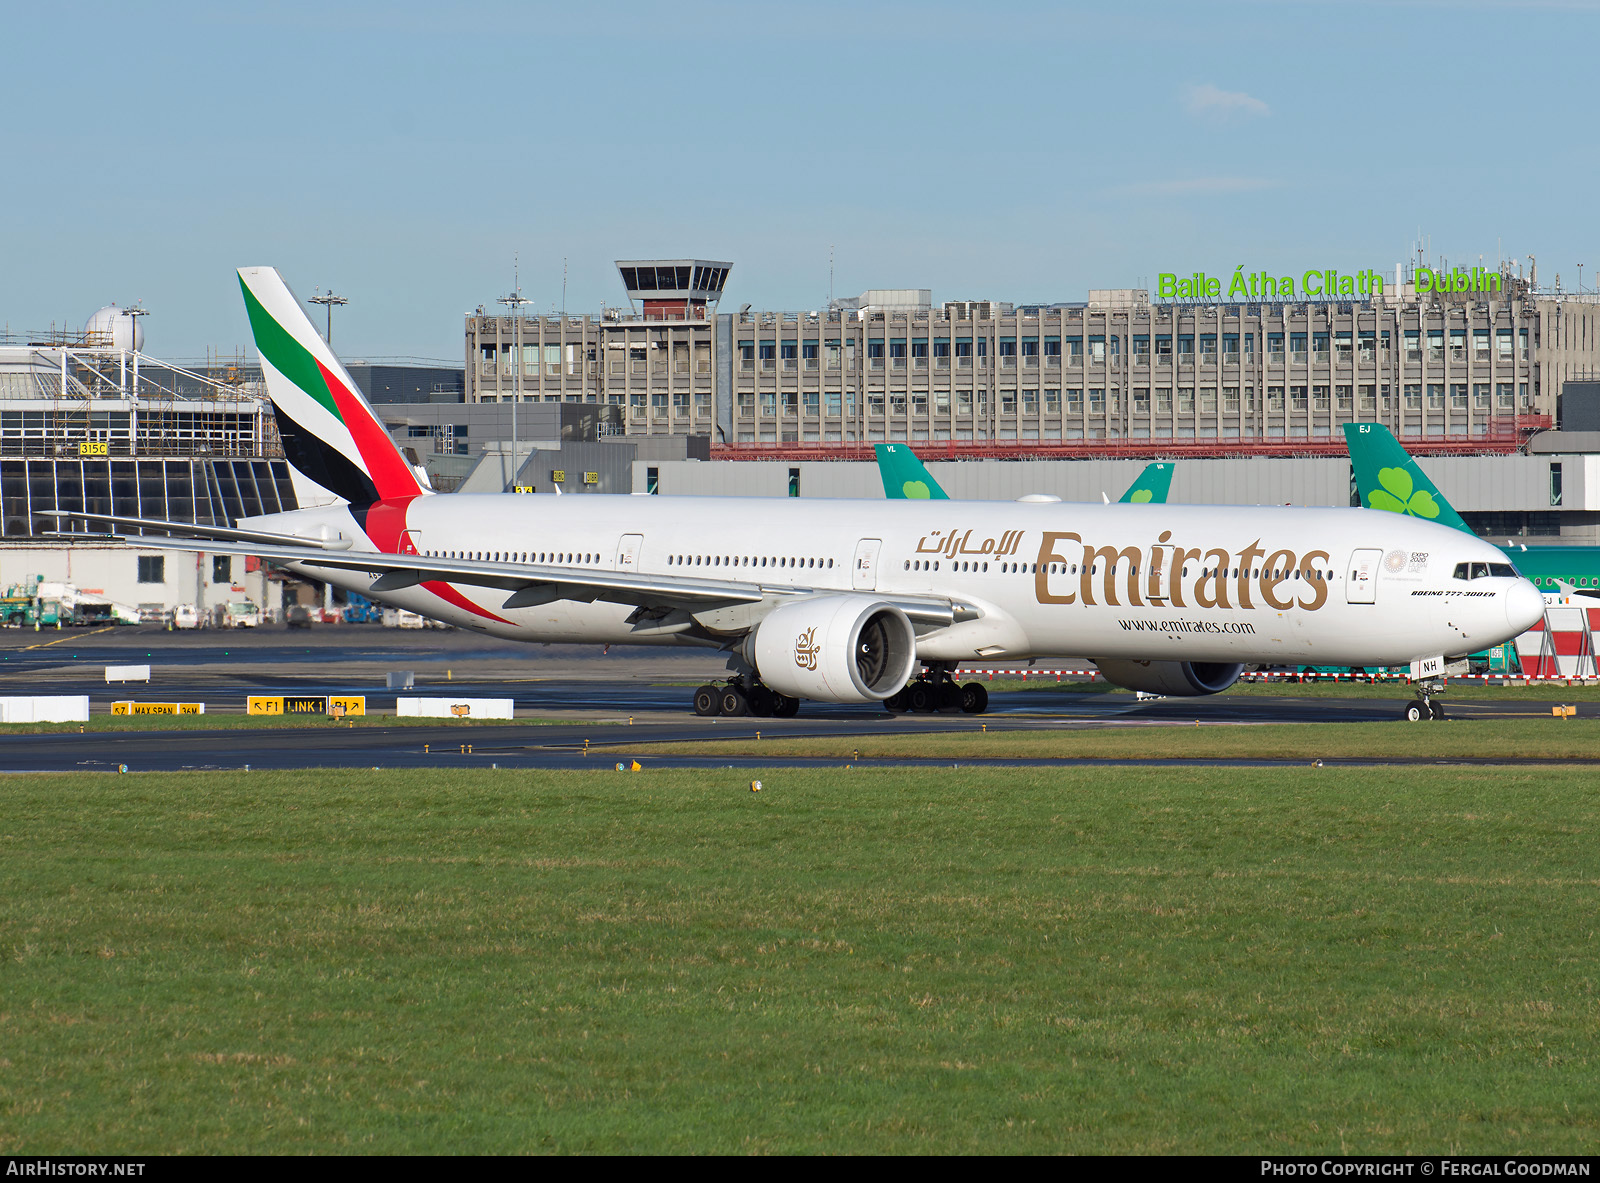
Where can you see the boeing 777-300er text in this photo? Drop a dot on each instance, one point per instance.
(851, 601)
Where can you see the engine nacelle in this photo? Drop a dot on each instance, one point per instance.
(834, 649)
(1177, 679)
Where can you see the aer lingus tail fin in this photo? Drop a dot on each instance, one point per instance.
(904, 475)
(1151, 486)
(1388, 478)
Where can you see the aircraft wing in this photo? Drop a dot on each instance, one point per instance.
(530, 584)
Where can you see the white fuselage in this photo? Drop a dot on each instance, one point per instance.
(1143, 582)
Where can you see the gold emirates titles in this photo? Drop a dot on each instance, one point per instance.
(1164, 572)
(1158, 580)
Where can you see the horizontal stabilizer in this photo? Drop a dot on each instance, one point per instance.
(199, 531)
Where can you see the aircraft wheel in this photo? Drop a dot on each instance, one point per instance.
(707, 701)
(974, 698)
(733, 702)
(763, 702)
(896, 703)
(1436, 710)
(786, 707)
(949, 696)
(921, 697)
(1415, 712)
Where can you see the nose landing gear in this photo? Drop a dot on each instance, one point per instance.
(1426, 705)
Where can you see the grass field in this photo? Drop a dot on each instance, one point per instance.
(1508, 739)
(1317, 960)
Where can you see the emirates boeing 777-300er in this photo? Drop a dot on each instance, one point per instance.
(851, 601)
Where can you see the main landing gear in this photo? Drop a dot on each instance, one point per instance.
(937, 690)
(737, 699)
(1426, 706)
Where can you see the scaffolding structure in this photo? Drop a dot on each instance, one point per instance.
(88, 426)
(84, 397)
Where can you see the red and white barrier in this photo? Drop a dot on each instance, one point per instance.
(1562, 645)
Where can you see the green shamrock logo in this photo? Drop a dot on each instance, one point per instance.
(916, 490)
(1396, 496)
(1141, 495)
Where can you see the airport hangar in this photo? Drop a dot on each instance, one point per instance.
(1496, 392)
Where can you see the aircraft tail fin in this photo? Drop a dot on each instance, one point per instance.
(336, 446)
(1151, 486)
(1386, 477)
(904, 476)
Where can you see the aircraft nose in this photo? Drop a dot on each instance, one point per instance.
(1524, 606)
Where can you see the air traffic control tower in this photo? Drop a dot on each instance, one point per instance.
(673, 289)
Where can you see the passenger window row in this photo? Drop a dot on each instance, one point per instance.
(787, 561)
(1072, 569)
(566, 558)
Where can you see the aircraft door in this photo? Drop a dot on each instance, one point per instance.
(864, 573)
(628, 552)
(1361, 581)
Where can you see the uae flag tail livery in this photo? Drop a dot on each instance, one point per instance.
(337, 448)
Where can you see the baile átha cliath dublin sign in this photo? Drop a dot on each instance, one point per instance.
(1258, 285)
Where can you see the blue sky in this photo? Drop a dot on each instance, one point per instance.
(402, 153)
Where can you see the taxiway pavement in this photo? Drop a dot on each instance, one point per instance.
(624, 699)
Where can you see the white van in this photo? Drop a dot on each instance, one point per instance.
(241, 614)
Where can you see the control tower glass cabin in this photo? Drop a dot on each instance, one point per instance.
(673, 289)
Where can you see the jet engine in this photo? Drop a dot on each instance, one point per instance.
(834, 649)
(1177, 679)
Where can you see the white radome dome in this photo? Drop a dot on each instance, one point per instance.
(113, 328)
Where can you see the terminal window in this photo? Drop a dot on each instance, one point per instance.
(152, 569)
(221, 569)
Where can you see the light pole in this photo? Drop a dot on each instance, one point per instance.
(1580, 279)
(515, 301)
(328, 301)
(133, 314)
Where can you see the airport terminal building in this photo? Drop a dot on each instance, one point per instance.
(1487, 368)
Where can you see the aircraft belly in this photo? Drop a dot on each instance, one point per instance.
(1335, 636)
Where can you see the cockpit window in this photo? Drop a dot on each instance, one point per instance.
(1484, 570)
